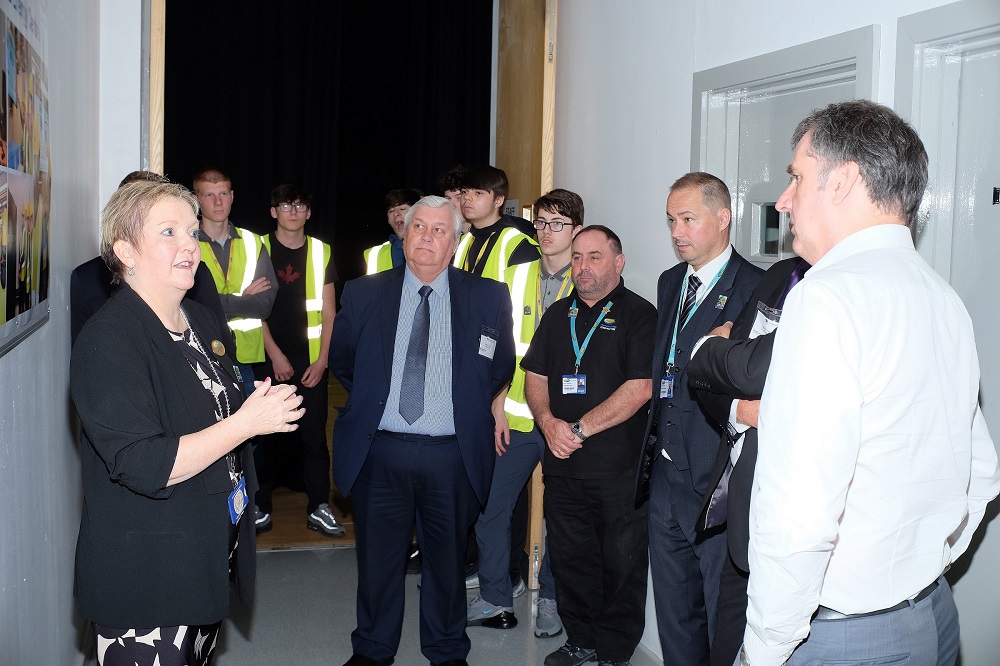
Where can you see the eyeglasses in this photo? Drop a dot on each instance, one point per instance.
(287, 207)
(553, 225)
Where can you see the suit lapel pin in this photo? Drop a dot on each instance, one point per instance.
(218, 348)
(722, 302)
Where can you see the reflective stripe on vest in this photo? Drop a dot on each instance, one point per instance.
(517, 295)
(378, 258)
(314, 291)
(463, 249)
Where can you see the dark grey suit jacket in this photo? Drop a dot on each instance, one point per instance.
(726, 370)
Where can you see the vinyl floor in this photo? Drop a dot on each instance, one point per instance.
(304, 613)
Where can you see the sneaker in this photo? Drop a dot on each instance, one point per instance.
(482, 613)
(323, 521)
(519, 588)
(569, 655)
(547, 622)
(261, 520)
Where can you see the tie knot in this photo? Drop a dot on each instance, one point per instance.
(425, 291)
(694, 282)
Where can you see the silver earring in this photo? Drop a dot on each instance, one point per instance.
(131, 271)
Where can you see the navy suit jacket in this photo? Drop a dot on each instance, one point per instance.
(724, 370)
(692, 439)
(361, 351)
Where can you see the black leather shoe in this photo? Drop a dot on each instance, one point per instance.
(451, 662)
(504, 620)
(361, 660)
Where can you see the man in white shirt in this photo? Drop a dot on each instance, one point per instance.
(875, 464)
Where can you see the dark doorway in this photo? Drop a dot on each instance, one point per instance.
(349, 99)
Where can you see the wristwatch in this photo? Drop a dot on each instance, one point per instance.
(577, 430)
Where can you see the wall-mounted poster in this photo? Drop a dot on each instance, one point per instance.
(25, 171)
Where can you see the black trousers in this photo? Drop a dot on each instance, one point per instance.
(310, 438)
(407, 478)
(598, 544)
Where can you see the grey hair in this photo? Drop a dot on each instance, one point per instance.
(431, 201)
(890, 155)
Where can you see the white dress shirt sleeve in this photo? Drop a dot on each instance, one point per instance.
(801, 482)
(984, 484)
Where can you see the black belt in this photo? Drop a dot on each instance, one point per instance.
(824, 613)
(412, 437)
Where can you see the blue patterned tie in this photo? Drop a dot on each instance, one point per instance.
(690, 297)
(411, 390)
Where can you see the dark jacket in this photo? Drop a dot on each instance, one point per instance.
(150, 555)
(361, 352)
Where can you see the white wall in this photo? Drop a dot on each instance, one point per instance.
(623, 128)
(39, 463)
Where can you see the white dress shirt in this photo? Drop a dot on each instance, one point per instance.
(875, 464)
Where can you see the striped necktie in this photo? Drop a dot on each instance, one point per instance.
(690, 297)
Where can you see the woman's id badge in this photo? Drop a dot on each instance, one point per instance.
(238, 500)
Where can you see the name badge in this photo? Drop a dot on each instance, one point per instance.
(487, 346)
(574, 384)
(488, 342)
(667, 386)
(238, 500)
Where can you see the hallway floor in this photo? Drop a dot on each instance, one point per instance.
(304, 614)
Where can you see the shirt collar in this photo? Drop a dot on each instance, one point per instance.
(878, 237)
(202, 236)
(440, 284)
(707, 272)
(560, 274)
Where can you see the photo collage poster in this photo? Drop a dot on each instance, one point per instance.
(25, 172)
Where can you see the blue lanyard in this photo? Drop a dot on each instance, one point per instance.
(586, 341)
(680, 304)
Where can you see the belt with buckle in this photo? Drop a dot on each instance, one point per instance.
(824, 613)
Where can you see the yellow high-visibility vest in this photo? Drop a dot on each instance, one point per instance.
(315, 271)
(244, 252)
(522, 280)
(499, 258)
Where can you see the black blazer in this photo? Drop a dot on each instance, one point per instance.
(693, 438)
(150, 555)
(361, 351)
(725, 370)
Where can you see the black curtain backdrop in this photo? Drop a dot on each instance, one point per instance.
(348, 99)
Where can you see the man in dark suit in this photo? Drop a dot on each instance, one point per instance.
(708, 288)
(422, 349)
(728, 376)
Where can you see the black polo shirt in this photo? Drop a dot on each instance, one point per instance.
(620, 349)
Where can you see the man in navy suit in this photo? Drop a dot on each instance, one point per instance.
(708, 288)
(728, 376)
(418, 451)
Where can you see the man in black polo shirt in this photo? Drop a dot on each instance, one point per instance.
(587, 381)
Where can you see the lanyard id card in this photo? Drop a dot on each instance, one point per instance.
(574, 384)
(238, 500)
(667, 386)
